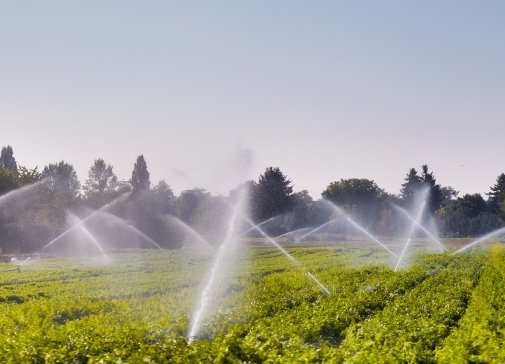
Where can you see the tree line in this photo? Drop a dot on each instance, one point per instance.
(40, 210)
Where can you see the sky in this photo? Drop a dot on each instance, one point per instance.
(212, 93)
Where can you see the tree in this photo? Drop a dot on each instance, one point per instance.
(28, 176)
(415, 184)
(411, 186)
(101, 185)
(497, 194)
(164, 198)
(272, 195)
(8, 181)
(353, 191)
(140, 176)
(302, 214)
(61, 177)
(448, 195)
(7, 160)
(361, 195)
(435, 194)
(188, 202)
(469, 215)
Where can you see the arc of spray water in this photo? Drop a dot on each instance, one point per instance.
(261, 224)
(480, 240)
(341, 212)
(291, 232)
(420, 214)
(371, 236)
(148, 238)
(13, 193)
(86, 231)
(217, 266)
(205, 298)
(274, 243)
(192, 231)
(94, 241)
(24, 261)
(317, 228)
(18, 267)
(134, 229)
(418, 225)
(85, 219)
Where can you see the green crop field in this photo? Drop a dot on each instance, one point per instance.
(137, 308)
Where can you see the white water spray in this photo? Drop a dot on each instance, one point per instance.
(292, 232)
(86, 218)
(20, 191)
(342, 212)
(94, 241)
(92, 238)
(223, 256)
(419, 225)
(274, 243)
(317, 228)
(371, 236)
(482, 239)
(412, 228)
(320, 285)
(261, 224)
(147, 238)
(191, 231)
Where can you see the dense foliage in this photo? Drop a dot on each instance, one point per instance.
(136, 308)
(36, 207)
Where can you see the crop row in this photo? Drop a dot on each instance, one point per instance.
(138, 309)
(480, 337)
(413, 327)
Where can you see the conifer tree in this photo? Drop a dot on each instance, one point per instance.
(411, 186)
(497, 194)
(435, 194)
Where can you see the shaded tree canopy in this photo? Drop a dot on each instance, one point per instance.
(188, 202)
(7, 160)
(8, 181)
(303, 212)
(140, 176)
(497, 194)
(360, 195)
(354, 191)
(272, 195)
(61, 177)
(164, 198)
(448, 195)
(28, 176)
(469, 215)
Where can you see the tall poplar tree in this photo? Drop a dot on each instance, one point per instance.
(7, 160)
(140, 176)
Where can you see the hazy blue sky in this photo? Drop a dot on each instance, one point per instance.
(214, 92)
